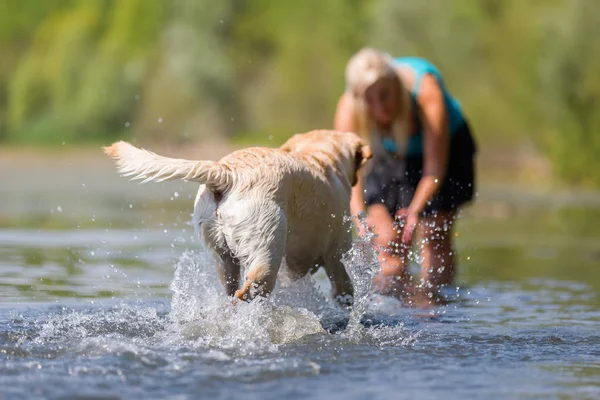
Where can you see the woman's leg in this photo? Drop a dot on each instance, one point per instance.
(394, 276)
(437, 240)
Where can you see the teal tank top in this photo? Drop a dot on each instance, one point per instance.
(456, 120)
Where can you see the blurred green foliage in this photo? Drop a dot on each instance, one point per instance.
(249, 70)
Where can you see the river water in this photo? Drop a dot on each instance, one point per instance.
(105, 294)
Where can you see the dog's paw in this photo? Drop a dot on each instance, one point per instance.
(241, 295)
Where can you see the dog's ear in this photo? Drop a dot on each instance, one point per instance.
(291, 143)
(362, 155)
(285, 147)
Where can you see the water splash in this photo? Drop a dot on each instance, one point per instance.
(123, 320)
(362, 266)
(200, 317)
(203, 314)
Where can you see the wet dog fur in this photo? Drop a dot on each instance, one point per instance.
(258, 206)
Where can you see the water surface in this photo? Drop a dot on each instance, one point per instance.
(104, 293)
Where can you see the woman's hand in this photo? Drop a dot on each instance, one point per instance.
(408, 222)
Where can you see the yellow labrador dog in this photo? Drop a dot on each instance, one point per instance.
(258, 206)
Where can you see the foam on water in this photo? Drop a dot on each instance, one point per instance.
(124, 320)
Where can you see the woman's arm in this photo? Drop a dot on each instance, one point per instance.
(436, 148)
(345, 121)
(436, 143)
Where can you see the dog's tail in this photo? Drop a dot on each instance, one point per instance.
(143, 164)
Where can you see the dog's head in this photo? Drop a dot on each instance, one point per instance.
(344, 151)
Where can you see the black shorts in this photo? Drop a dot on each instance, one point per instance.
(393, 182)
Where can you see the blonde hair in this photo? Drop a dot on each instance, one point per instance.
(364, 69)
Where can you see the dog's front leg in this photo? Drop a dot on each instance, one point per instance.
(340, 280)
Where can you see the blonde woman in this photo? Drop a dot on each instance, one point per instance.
(422, 170)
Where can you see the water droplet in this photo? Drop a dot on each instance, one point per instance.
(130, 205)
(59, 209)
(176, 194)
(127, 124)
(160, 120)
